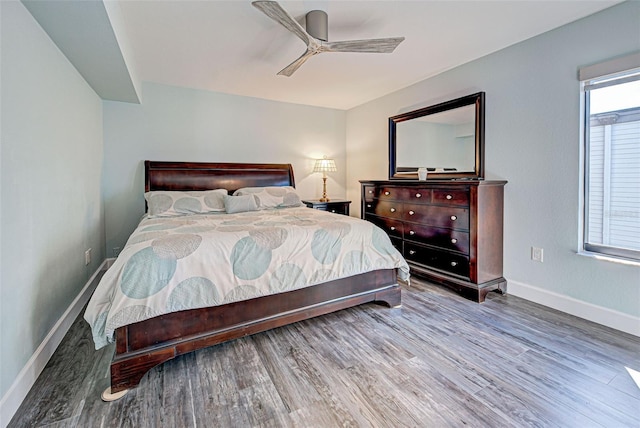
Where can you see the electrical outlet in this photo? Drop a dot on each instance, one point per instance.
(116, 251)
(537, 254)
(87, 257)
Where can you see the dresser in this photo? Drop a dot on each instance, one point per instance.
(449, 231)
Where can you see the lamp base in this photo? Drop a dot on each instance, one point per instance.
(324, 190)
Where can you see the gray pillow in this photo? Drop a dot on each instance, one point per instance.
(239, 204)
(175, 203)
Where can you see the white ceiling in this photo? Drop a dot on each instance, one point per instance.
(231, 47)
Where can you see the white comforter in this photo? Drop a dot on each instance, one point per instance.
(178, 263)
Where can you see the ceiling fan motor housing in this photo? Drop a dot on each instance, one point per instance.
(317, 24)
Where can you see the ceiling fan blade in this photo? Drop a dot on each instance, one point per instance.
(371, 45)
(291, 68)
(274, 11)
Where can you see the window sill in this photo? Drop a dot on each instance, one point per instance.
(607, 258)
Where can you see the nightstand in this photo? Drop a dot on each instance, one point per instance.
(338, 206)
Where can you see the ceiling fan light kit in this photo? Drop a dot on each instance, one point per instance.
(316, 35)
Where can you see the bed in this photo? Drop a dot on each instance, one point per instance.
(143, 344)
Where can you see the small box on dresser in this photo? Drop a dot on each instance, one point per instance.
(449, 231)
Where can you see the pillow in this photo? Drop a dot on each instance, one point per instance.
(239, 204)
(272, 197)
(173, 203)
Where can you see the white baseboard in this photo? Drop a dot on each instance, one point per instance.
(11, 401)
(589, 311)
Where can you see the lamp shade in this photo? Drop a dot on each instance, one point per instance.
(325, 165)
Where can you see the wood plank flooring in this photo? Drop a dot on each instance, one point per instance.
(438, 361)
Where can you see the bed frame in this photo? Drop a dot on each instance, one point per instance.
(143, 345)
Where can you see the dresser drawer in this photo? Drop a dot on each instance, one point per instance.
(397, 194)
(390, 226)
(451, 197)
(438, 216)
(380, 208)
(437, 259)
(438, 237)
(391, 193)
(397, 243)
(417, 195)
(368, 193)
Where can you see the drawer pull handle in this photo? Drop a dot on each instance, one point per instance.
(392, 228)
(454, 264)
(454, 240)
(368, 205)
(333, 211)
(387, 193)
(412, 252)
(418, 195)
(454, 218)
(411, 232)
(392, 210)
(449, 197)
(370, 191)
(412, 212)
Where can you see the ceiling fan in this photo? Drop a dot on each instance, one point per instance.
(315, 35)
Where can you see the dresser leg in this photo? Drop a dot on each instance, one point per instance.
(502, 287)
(482, 294)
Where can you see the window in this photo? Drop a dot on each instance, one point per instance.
(611, 153)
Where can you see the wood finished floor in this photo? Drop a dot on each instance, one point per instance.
(438, 361)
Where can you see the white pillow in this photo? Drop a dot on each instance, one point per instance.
(272, 197)
(173, 203)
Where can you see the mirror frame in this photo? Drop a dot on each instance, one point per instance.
(478, 100)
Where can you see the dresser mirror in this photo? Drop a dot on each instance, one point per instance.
(447, 139)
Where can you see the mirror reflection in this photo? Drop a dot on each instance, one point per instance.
(439, 142)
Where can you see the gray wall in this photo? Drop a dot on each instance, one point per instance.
(191, 125)
(533, 141)
(51, 203)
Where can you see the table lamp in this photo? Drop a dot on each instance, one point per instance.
(324, 165)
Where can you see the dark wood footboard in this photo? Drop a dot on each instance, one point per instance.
(143, 345)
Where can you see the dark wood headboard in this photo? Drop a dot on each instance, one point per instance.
(206, 176)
